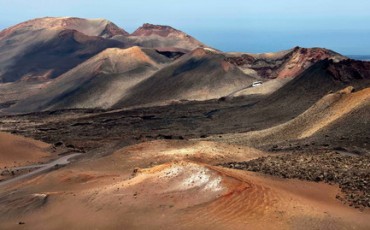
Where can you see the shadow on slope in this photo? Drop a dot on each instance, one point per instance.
(97, 83)
(199, 75)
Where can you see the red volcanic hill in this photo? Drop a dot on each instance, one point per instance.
(299, 94)
(284, 64)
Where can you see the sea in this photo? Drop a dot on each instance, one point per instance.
(359, 57)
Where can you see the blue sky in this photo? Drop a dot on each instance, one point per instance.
(229, 25)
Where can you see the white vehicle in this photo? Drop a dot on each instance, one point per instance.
(257, 83)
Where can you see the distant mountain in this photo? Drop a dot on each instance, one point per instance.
(147, 30)
(90, 27)
(161, 37)
(61, 63)
(45, 48)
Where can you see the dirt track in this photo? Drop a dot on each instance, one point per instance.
(41, 168)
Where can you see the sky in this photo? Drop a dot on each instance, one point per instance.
(230, 25)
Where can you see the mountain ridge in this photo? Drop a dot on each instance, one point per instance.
(189, 70)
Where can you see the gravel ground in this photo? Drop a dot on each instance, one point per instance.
(351, 172)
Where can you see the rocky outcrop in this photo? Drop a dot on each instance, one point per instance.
(349, 70)
(285, 64)
(351, 172)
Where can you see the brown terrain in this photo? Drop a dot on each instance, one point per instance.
(102, 129)
(20, 151)
(136, 187)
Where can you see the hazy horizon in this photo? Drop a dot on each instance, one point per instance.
(244, 26)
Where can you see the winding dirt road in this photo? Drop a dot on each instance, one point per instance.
(41, 168)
